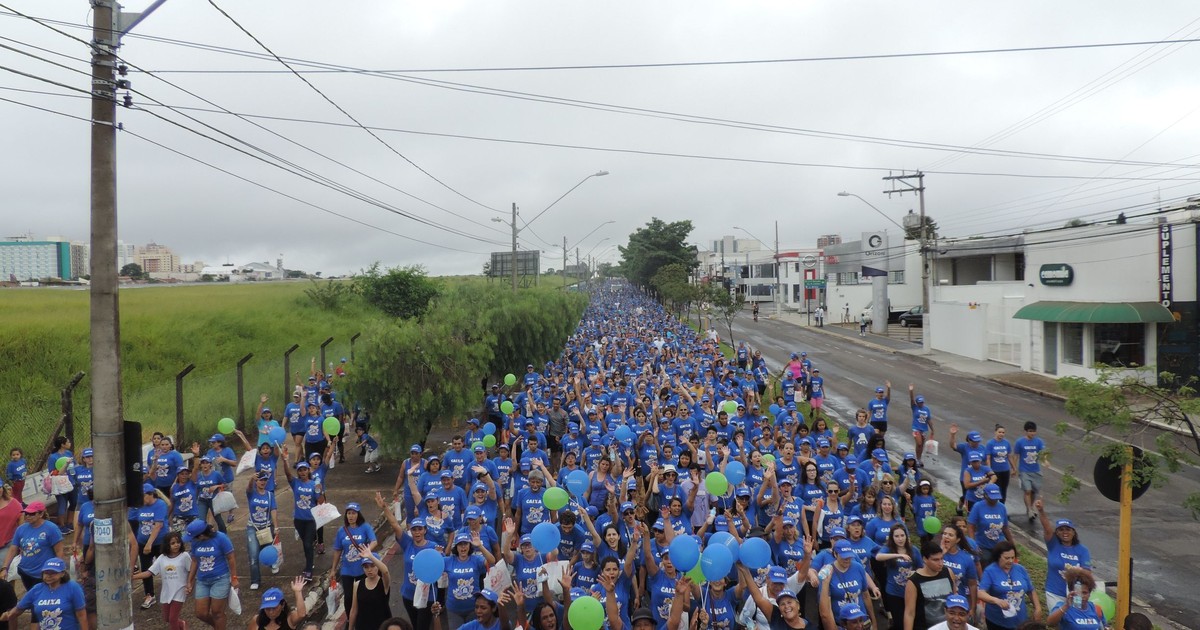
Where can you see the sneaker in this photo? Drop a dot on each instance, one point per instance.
(229, 518)
(148, 602)
(254, 586)
(307, 575)
(320, 549)
(274, 569)
(66, 529)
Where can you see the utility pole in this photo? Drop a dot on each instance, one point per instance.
(923, 243)
(564, 263)
(111, 536)
(514, 247)
(778, 280)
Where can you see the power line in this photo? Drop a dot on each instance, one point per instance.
(343, 110)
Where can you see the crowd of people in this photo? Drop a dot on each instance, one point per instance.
(639, 480)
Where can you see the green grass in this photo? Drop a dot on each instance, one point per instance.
(163, 329)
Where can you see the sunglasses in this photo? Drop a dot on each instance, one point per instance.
(889, 483)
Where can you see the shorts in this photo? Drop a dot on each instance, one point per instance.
(214, 588)
(1031, 481)
(880, 426)
(817, 402)
(917, 433)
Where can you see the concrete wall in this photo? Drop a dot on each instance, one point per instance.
(958, 328)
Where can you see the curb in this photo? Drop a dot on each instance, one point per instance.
(1026, 388)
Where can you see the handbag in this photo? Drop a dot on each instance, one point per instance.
(324, 514)
(224, 502)
(60, 485)
(264, 536)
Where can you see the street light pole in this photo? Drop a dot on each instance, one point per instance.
(514, 247)
(778, 282)
(879, 297)
(585, 237)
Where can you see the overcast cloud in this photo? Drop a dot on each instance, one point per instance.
(1146, 112)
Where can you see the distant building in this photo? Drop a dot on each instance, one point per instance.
(155, 258)
(825, 240)
(196, 267)
(126, 253)
(81, 260)
(33, 260)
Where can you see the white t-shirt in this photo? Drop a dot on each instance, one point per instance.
(174, 573)
(943, 626)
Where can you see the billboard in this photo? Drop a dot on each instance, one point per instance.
(528, 264)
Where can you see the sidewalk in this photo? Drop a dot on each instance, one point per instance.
(1002, 373)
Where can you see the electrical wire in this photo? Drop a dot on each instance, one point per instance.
(343, 110)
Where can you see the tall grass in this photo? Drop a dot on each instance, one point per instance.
(44, 340)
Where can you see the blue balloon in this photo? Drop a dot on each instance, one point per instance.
(428, 565)
(726, 540)
(775, 410)
(277, 436)
(268, 556)
(716, 562)
(685, 553)
(624, 434)
(546, 537)
(489, 429)
(577, 482)
(735, 472)
(755, 553)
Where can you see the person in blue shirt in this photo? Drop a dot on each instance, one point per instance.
(55, 601)
(974, 444)
(486, 610)
(184, 505)
(1006, 586)
(166, 466)
(988, 521)
(213, 573)
(975, 478)
(36, 540)
(1064, 553)
(349, 540)
(209, 482)
(369, 445)
(1077, 612)
(900, 559)
(859, 435)
(846, 582)
(1028, 451)
(1001, 459)
(15, 471)
(922, 422)
(224, 460)
(83, 478)
(151, 530)
(877, 407)
(306, 494)
(266, 421)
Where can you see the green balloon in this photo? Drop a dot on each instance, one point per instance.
(226, 425)
(1106, 603)
(61, 463)
(332, 426)
(716, 483)
(696, 574)
(510, 379)
(932, 525)
(489, 441)
(586, 613)
(730, 407)
(555, 498)
(506, 406)
(768, 458)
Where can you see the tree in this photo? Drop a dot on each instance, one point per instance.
(208, 277)
(1127, 407)
(1075, 223)
(674, 291)
(132, 270)
(403, 292)
(608, 270)
(724, 305)
(652, 247)
(487, 268)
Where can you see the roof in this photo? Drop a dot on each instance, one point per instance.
(1096, 312)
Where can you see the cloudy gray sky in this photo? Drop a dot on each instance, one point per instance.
(1135, 104)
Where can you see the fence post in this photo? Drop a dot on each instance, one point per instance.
(179, 439)
(68, 406)
(326, 343)
(287, 376)
(241, 392)
(352, 338)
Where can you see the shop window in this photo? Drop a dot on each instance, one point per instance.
(1072, 344)
(1119, 345)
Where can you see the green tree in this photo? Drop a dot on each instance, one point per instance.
(403, 292)
(1125, 408)
(608, 270)
(329, 296)
(132, 270)
(724, 305)
(654, 246)
(673, 290)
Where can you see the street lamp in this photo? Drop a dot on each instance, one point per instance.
(588, 257)
(517, 230)
(881, 213)
(566, 249)
(778, 280)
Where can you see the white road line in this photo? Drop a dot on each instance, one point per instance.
(935, 381)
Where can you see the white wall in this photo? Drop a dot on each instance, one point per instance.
(958, 328)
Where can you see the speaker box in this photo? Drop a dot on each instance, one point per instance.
(133, 463)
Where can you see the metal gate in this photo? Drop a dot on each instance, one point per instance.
(1005, 336)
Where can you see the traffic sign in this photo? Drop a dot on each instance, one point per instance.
(814, 284)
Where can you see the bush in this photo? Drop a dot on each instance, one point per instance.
(403, 292)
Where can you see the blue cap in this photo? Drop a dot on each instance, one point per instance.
(974, 456)
(879, 390)
(474, 421)
(849, 612)
(823, 442)
(272, 598)
(147, 488)
(743, 492)
(417, 522)
(446, 474)
(473, 512)
(416, 448)
(660, 525)
(265, 410)
(992, 491)
(975, 436)
(855, 518)
(217, 437)
(912, 456)
(353, 506)
(54, 564)
(627, 506)
(777, 575)
(527, 539)
(842, 549)
(302, 464)
(920, 399)
(87, 452)
(488, 595)
(880, 455)
(587, 546)
(957, 601)
(1064, 522)
(593, 511)
(196, 527)
(462, 538)
(835, 532)
(787, 520)
(785, 593)
(842, 446)
(479, 448)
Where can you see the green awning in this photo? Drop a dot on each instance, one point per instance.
(1096, 312)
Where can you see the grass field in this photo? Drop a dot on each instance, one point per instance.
(163, 329)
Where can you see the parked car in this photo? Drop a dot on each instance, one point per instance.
(913, 317)
(893, 313)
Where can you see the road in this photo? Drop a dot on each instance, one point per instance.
(1166, 567)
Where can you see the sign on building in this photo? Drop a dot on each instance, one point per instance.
(1056, 275)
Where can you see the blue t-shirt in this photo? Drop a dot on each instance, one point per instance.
(183, 498)
(82, 478)
(962, 564)
(52, 460)
(54, 608)
(998, 452)
(475, 625)
(847, 587)
(1090, 617)
(877, 409)
(210, 556)
(168, 465)
(260, 507)
(409, 550)
(147, 516)
(989, 522)
(1027, 451)
(15, 471)
(898, 571)
(920, 418)
(207, 484)
(1058, 558)
(465, 577)
(533, 511)
(1013, 587)
(525, 577)
(305, 494)
(662, 594)
(36, 545)
(351, 559)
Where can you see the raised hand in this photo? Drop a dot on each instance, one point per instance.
(379, 501)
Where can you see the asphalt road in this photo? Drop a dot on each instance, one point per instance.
(1166, 557)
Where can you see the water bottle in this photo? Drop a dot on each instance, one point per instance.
(1077, 595)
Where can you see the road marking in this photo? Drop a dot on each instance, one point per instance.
(935, 381)
(1063, 473)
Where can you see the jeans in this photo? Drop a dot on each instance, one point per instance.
(206, 508)
(308, 534)
(253, 548)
